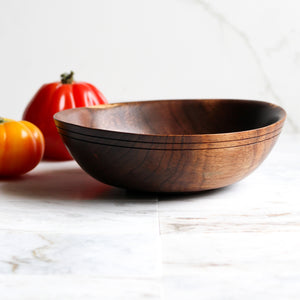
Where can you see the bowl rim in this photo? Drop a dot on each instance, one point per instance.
(170, 138)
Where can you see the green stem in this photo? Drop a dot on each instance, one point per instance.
(2, 120)
(67, 78)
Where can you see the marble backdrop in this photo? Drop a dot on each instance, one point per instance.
(158, 49)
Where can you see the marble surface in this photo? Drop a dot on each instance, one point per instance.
(63, 235)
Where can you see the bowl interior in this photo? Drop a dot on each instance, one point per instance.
(176, 117)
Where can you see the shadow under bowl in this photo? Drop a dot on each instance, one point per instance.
(171, 145)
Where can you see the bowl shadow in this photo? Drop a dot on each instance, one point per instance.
(73, 184)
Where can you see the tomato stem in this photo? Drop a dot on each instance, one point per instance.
(67, 78)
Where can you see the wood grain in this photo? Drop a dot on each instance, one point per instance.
(171, 145)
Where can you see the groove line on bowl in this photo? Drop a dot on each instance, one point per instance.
(173, 146)
(155, 142)
(165, 149)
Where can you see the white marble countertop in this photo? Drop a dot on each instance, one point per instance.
(63, 235)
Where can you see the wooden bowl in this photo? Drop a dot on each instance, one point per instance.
(171, 145)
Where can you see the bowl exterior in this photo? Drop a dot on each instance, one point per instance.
(184, 162)
(168, 170)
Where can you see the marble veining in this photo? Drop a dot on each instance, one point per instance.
(269, 89)
(108, 255)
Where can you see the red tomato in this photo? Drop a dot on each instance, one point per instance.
(21, 147)
(54, 97)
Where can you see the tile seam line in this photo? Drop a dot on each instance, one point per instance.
(66, 232)
(161, 286)
(68, 276)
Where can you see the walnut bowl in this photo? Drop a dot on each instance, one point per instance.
(171, 145)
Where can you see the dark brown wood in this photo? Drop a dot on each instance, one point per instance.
(171, 145)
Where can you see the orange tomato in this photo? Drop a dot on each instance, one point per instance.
(22, 147)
